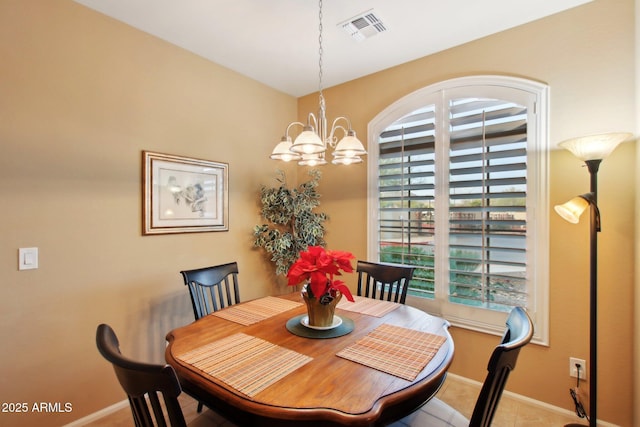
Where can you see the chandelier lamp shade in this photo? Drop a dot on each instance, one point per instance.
(592, 150)
(316, 137)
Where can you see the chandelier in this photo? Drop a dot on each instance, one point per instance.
(311, 144)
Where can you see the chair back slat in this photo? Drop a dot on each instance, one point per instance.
(503, 360)
(229, 286)
(212, 288)
(140, 411)
(157, 409)
(381, 281)
(204, 298)
(144, 384)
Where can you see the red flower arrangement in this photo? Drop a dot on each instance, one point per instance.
(319, 266)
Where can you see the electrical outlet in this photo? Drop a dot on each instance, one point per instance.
(573, 370)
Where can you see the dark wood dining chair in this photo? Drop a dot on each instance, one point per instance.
(149, 387)
(503, 360)
(384, 281)
(212, 288)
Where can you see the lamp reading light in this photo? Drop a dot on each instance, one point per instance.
(574, 208)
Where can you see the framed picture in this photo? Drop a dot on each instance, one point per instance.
(184, 195)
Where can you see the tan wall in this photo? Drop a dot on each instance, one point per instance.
(586, 56)
(636, 335)
(81, 95)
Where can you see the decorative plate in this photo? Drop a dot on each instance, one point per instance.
(337, 321)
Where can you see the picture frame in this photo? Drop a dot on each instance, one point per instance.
(183, 194)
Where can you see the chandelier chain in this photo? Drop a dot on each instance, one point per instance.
(320, 54)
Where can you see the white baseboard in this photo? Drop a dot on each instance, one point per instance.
(125, 403)
(528, 400)
(101, 413)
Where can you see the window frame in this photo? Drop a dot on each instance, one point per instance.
(535, 96)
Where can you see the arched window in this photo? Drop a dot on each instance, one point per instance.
(458, 188)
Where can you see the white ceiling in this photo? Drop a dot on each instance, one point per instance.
(276, 41)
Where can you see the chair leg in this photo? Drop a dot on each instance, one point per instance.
(200, 407)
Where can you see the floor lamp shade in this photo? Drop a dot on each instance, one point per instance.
(594, 147)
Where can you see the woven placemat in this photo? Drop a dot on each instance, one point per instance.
(256, 310)
(246, 363)
(369, 306)
(295, 326)
(395, 350)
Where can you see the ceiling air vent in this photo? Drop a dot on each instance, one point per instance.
(363, 26)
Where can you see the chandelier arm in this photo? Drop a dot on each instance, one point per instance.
(319, 125)
(332, 139)
(286, 133)
(312, 118)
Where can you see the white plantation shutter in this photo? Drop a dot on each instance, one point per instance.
(407, 195)
(457, 176)
(487, 203)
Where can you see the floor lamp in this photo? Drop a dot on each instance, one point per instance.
(592, 150)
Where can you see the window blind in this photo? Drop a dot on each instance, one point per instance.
(487, 209)
(407, 196)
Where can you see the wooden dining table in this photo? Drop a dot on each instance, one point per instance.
(259, 364)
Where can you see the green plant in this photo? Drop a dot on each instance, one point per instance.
(294, 226)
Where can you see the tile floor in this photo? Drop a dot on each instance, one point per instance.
(511, 412)
(457, 393)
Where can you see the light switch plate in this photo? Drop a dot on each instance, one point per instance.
(27, 258)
